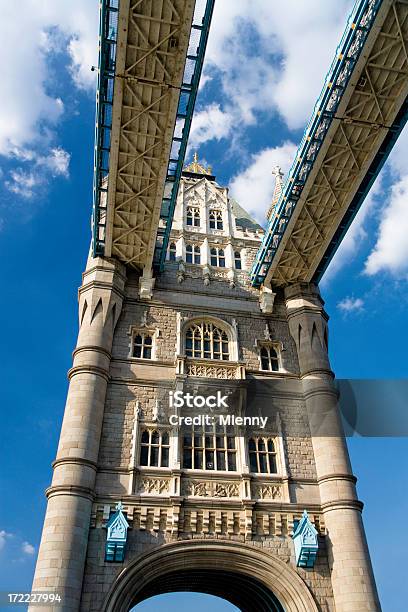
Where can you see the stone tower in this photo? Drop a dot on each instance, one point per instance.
(250, 499)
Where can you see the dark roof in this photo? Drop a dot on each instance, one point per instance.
(242, 218)
(198, 175)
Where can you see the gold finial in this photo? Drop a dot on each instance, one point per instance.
(196, 167)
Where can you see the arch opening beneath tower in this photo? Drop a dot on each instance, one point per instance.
(247, 577)
(245, 592)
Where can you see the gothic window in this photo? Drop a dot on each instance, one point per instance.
(193, 216)
(212, 448)
(216, 219)
(237, 260)
(269, 359)
(262, 455)
(154, 448)
(217, 257)
(142, 345)
(172, 251)
(193, 255)
(203, 340)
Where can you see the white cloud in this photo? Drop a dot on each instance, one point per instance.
(57, 162)
(266, 63)
(211, 123)
(23, 181)
(350, 304)
(30, 34)
(390, 253)
(27, 548)
(4, 535)
(253, 188)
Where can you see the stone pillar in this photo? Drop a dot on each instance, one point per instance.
(61, 558)
(352, 577)
(229, 256)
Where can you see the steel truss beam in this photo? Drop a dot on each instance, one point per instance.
(155, 64)
(357, 119)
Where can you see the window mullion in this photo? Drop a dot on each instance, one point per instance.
(257, 456)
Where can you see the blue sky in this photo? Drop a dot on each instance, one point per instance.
(258, 91)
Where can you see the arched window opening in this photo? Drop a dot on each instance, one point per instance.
(262, 455)
(237, 260)
(193, 254)
(193, 216)
(203, 340)
(172, 251)
(217, 257)
(142, 346)
(154, 448)
(216, 219)
(269, 359)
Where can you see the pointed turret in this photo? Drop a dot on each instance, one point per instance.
(277, 172)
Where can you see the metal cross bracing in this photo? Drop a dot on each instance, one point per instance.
(151, 55)
(356, 121)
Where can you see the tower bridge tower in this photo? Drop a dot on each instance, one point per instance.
(259, 506)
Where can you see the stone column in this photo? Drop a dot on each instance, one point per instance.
(352, 577)
(61, 558)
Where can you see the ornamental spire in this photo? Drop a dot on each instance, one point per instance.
(196, 167)
(277, 172)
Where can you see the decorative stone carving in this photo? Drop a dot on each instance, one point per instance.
(206, 275)
(266, 299)
(157, 412)
(267, 491)
(198, 489)
(156, 486)
(204, 370)
(210, 488)
(231, 278)
(181, 272)
(146, 284)
(230, 489)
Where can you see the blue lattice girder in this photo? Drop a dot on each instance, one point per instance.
(363, 94)
(188, 93)
(144, 112)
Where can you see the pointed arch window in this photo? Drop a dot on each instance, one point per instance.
(237, 260)
(142, 345)
(262, 455)
(204, 340)
(217, 257)
(172, 251)
(154, 448)
(216, 219)
(269, 359)
(193, 216)
(193, 254)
